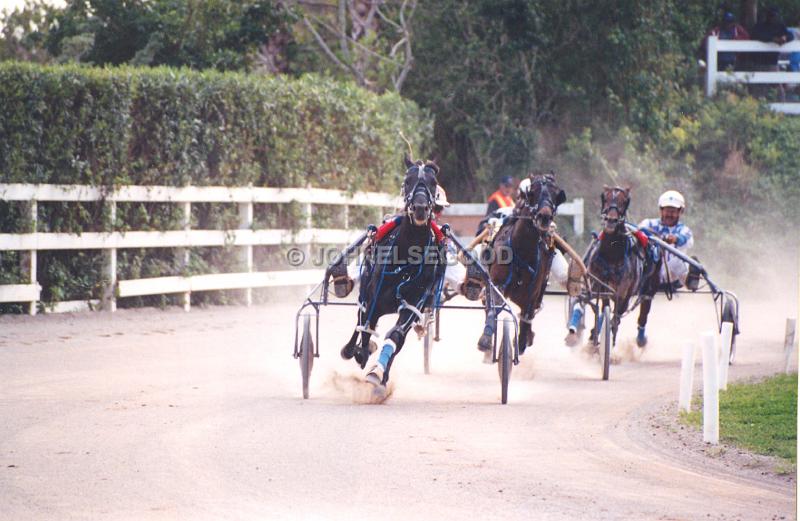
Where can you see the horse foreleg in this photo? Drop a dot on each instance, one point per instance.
(381, 360)
(525, 333)
(367, 345)
(644, 310)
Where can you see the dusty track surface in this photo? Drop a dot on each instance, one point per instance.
(152, 414)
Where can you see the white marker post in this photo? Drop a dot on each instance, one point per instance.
(710, 389)
(725, 354)
(788, 344)
(687, 378)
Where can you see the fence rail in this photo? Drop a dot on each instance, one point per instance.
(713, 76)
(245, 237)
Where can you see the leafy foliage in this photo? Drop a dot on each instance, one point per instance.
(159, 126)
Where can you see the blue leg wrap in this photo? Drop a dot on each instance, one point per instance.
(386, 353)
(575, 320)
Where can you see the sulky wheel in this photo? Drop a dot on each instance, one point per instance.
(306, 354)
(605, 349)
(729, 314)
(504, 362)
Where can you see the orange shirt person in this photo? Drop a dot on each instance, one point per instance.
(502, 197)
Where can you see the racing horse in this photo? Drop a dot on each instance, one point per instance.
(402, 272)
(623, 267)
(521, 254)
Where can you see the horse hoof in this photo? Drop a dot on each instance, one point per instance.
(485, 343)
(374, 379)
(471, 290)
(487, 357)
(530, 338)
(361, 359)
(572, 339)
(641, 338)
(347, 352)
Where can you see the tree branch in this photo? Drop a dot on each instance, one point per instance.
(330, 53)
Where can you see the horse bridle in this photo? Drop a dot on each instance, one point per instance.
(409, 197)
(545, 197)
(621, 212)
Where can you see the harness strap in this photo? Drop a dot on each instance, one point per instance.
(413, 309)
(365, 329)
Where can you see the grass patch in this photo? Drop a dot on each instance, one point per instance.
(760, 416)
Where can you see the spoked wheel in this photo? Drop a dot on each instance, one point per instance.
(428, 342)
(504, 362)
(729, 315)
(306, 354)
(605, 349)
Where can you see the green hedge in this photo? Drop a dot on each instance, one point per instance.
(72, 124)
(118, 126)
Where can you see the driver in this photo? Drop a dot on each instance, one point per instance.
(674, 271)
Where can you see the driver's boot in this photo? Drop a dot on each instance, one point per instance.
(574, 279)
(693, 278)
(342, 283)
(473, 284)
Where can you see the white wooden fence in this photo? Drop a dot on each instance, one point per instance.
(572, 208)
(245, 237)
(713, 76)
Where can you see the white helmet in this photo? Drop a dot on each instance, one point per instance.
(671, 198)
(441, 197)
(524, 186)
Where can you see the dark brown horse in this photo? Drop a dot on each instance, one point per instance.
(521, 254)
(403, 271)
(623, 269)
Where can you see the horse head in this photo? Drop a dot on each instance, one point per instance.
(614, 202)
(419, 189)
(542, 199)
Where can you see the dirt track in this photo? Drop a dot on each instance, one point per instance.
(153, 414)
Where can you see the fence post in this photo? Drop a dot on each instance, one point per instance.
(246, 223)
(31, 256)
(710, 389)
(309, 225)
(687, 378)
(109, 301)
(577, 219)
(346, 211)
(725, 354)
(187, 223)
(711, 65)
(788, 344)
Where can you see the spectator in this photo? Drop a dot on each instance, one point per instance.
(794, 57)
(501, 198)
(770, 29)
(727, 30)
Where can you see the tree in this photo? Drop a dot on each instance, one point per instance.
(368, 40)
(220, 34)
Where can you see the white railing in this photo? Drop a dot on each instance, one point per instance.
(244, 237)
(713, 76)
(572, 208)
